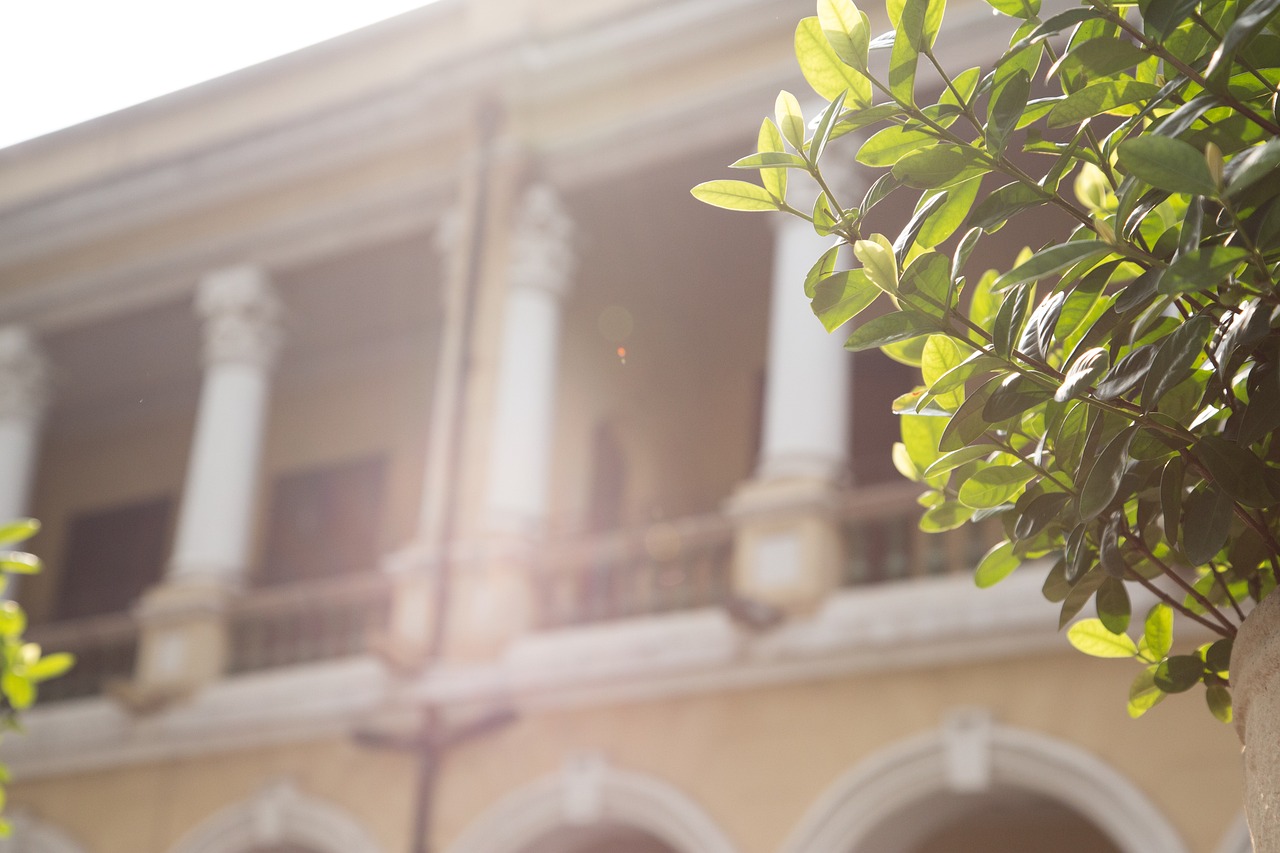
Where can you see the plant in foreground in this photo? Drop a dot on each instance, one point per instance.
(1112, 396)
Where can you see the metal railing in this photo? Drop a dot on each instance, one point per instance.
(664, 567)
(307, 621)
(884, 542)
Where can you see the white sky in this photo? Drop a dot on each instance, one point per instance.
(66, 61)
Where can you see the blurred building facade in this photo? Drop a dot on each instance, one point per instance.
(427, 311)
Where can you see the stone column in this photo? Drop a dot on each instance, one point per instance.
(23, 398)
(788, 547)
(183, 640)
(540, 269)
(495, 594)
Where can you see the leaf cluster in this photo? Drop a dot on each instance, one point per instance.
(1112, 396)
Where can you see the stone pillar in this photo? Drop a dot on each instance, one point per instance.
(495, 593)
(183, 641)
(788, 547)
(23, 398)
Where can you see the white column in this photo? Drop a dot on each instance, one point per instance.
(241, 339)
(23, 397)
(806, 405)
(540, 270)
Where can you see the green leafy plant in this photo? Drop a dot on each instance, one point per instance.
(1111, 396)
(24, 665)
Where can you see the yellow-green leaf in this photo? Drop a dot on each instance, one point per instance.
(1092, 637)
(735, 195)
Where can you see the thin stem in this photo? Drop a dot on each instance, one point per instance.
(1226, 590)
(1180, 607)
(1136, 542)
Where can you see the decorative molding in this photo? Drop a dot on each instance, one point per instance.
(24, 374)
(617, 796)
(966, 740)
(242, 317)
(894, 779)
(542, 256)
(29, 834)
(279, 814)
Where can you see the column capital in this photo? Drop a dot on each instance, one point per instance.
(24, 386)
(242, 317)
(542, 255)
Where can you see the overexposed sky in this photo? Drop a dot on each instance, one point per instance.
(66, 61)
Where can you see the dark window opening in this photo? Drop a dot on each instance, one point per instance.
(877, 381)
(112, 557)
(606, 509)
(324, 522)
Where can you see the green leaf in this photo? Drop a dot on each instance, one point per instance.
(1087, 367)
(790, 119)
(1236, 470)
(1052, 260)
(1143, 693)
(956, 458)
(1036, 515)
(1171, 496)
(995, 566)
(1114, 96)
(1245, 26)
(847, 30)
(1008, 323)
(887, 146)
(735, 195)
(1158, 630)
(1104, 477)
(1174, 359)
(940, 355)
(1014, 396)
(1099, 57)
(1079, 596)
(1003, 203)
(1252, 166)
(1093, 638)
(1179, 673)
(50, 666)
(839, 298)
(13, 621)
(1026, 9)
(877, 258)
(945, 516)
(19, 690)
(1113, 605)
(968, 423)
(19, 563)
(769, 141)
(770, 160)
(823, 69)
(940, 166)
(1206, 521)
(1218, 699)
(1217, 657)
(1037, 335)
(1201, 269)
(994, 485)
(974, 365)
(826, 123)
(18, 531)
(1006, 109)
(1127, 373)
(890, 328)
(948, 217)
(1167, 164)
(1161, 17)
(823, 267)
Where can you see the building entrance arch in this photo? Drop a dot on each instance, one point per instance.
(930, 780)
(589, 802)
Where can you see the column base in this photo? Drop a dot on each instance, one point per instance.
(493, 600)
(182, 643)
(789, 543)
(405, 644)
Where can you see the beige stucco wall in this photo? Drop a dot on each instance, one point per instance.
(756, 760)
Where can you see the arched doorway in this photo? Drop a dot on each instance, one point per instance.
(603, 838)
(973, 781)
(1001, 820)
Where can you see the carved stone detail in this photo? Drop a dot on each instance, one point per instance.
(542, 255)
(242, 317)
(24, 386)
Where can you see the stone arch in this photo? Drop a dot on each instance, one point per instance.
(279, 815)
(972, 754)
(31, 835)
(589, 791)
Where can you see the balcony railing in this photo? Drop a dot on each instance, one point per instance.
(883, 540)
(668, 566)
(309, 621)
(104, 646)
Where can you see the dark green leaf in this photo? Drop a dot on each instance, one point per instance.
(1171, 496)
(1127, 373)
(1055, 586)
(1206, 521)
(1202, 269)
(1249, 22)
(1037, 336)
(1167, 164)
(1179, 673)
(1052, 260)
(1174, 359)
(939, 166)
(1236, 470)
(1009, 319)
(1103, 481)
(994, 485)
(1218, 699)
(968, 423)
(1088, 366)
(1161, 17)
(1006, 108)
(1099, 57)
(890, 328)
(1003, 203)
(1249, 168)
(1113, 605)
(1014, 396)
(1038, 513)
